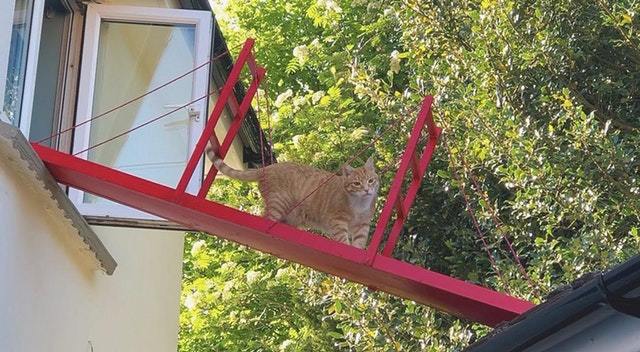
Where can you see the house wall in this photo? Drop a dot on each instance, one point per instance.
(53, 298)
(139, 306)
(46, 285)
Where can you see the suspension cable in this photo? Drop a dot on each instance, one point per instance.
(263, 179)
(269, 129)
(226, 52)
(473, 218)
(145, 123)
(498, 223)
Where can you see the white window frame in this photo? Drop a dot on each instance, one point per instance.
(202, 20)
(6, 24)
(31, 67)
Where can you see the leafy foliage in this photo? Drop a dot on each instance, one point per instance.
(540, 103)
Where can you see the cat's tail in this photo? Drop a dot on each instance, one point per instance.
(244, 175)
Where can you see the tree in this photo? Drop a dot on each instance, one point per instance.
(540, 106)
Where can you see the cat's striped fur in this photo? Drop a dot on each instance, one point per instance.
(342, 208)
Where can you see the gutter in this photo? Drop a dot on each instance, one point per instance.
(618, 289)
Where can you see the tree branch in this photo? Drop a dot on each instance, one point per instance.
(598, 112)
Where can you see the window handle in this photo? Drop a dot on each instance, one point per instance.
(194, 113)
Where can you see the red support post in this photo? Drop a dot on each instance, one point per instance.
(401, 211)
(415, 169)
(253, 66)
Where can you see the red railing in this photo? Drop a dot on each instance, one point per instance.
(240, 111)
(418, 162)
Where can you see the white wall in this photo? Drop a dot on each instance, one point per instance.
(52, 298)
(139, 305)
(46, 284)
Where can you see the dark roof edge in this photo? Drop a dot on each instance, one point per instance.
(250, 132)
(49, 185)
(567, 305)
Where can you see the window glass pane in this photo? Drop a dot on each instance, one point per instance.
(134, 58)
(46, 107)
(14, 87)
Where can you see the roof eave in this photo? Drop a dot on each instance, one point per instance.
(563, 309)
(16, 153)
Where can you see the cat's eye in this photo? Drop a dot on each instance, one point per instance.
(357, 184)
(370, 181)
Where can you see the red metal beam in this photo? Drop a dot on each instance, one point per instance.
(402, 279)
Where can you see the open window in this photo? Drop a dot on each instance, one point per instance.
(129, 51)
(63, 62)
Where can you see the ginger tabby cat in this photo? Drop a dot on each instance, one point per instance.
(342, 207)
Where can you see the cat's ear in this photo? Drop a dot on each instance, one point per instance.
(369, 164)
(346, 170)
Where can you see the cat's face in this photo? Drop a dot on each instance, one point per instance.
(363, 181)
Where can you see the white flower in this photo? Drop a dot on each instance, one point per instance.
(395, 61)
(252, 276)
(332, 6)
(297, 101)
(191, 301)
(301, 52)
(282, 272)
(285, 344)
(197, 246)
(282, 97)
(228, 286)
(359, 132)
(315, 98)
(329, 5)
(227, 266)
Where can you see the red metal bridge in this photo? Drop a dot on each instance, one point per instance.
(374, 266)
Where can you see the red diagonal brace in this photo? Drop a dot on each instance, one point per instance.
(253, 66)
